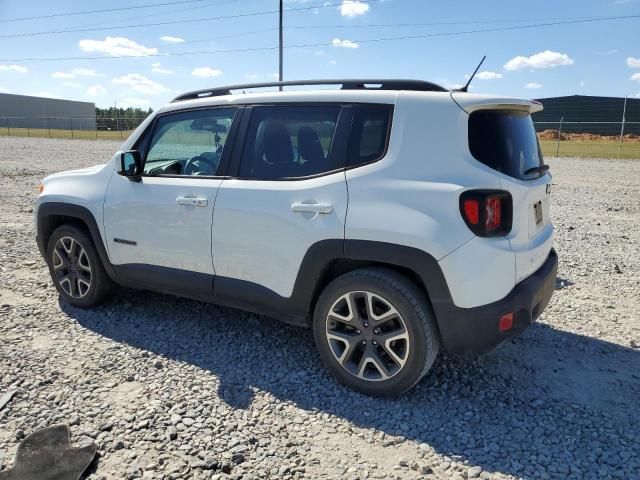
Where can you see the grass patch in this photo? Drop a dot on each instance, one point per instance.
(590, 149)
(55, 133)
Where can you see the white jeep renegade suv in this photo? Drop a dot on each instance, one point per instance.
(393, 217)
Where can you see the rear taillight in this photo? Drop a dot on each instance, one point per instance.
(487, 213)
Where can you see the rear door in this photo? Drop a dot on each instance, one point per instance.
(505, 140)
(288, 193)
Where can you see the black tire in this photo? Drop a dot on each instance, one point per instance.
(101, 285)
(414, 311)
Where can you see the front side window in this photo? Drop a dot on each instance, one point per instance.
(289, 142)
(189, 143)
(506, 141)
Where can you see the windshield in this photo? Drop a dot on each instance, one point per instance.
(506, 141)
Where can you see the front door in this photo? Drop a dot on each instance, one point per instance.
(158, 230)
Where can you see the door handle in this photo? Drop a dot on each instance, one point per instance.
(195, 201)
(316, 208)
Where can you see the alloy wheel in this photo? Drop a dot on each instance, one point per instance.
(71, 267)
(367, 336)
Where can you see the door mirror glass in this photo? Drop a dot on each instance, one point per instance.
(130, 164)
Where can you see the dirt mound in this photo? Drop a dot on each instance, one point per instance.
(552, 135)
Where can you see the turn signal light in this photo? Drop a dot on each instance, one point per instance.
(506, 322)
(41, 188)
(487, 213)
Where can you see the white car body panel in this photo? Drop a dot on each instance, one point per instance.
(167, 234)
(481, 271)
(257, 237)
(530, 242)
(84, 187)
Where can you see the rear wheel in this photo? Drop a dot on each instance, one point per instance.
(75, 267)
(375, 331)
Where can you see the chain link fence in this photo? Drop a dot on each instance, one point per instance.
(557, 138)
(69, 127)
(577, 139)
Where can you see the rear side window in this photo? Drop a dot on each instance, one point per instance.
(369, 134)
(289, 142)
(506, 141)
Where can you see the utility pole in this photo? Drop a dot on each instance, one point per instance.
(280, 69)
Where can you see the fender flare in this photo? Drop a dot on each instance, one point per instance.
(47, 210)
(319, 258)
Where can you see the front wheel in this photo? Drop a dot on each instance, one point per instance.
(75, 267)
(375, 331)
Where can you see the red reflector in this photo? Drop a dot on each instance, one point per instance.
(493, 218)
(472, 211)
(506, 322)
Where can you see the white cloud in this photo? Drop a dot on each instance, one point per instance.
(612, 51)
(546, 59)
(353, 8)
(273, 75)
(140, 83)
(62, 75)
(77, 72)
(134, 102)
(633, 62)
(13, 68)
(486, 75)
(86, 72)
(533, 85)
(171, 39)
(96, 90)
(319, 52)
(251, 76)
(72, 84)
(157, 68)
(336, 42)
(582, 83)
(3, 90)
(636, 77)
(206, 72)
(117, 47)
(332, 62)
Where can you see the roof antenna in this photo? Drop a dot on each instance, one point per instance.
(466, 87)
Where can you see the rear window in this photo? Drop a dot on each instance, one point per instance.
(369, 133)
(506, 141)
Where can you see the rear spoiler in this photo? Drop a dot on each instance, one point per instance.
(470, 102)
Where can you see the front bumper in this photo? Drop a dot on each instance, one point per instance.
(475, 330)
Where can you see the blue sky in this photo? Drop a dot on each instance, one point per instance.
(590, 58)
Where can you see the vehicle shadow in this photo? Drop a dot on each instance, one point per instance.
(546, 401)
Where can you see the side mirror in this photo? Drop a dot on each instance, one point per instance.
(131, 165)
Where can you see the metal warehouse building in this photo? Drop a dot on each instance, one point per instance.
(587, 114)
(22, 111)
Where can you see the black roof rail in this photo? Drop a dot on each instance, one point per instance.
(346, 84)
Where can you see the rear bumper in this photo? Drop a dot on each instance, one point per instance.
(475, 330)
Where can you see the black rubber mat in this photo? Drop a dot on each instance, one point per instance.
(48, 455)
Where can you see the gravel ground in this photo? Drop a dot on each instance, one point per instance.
(172, 388)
